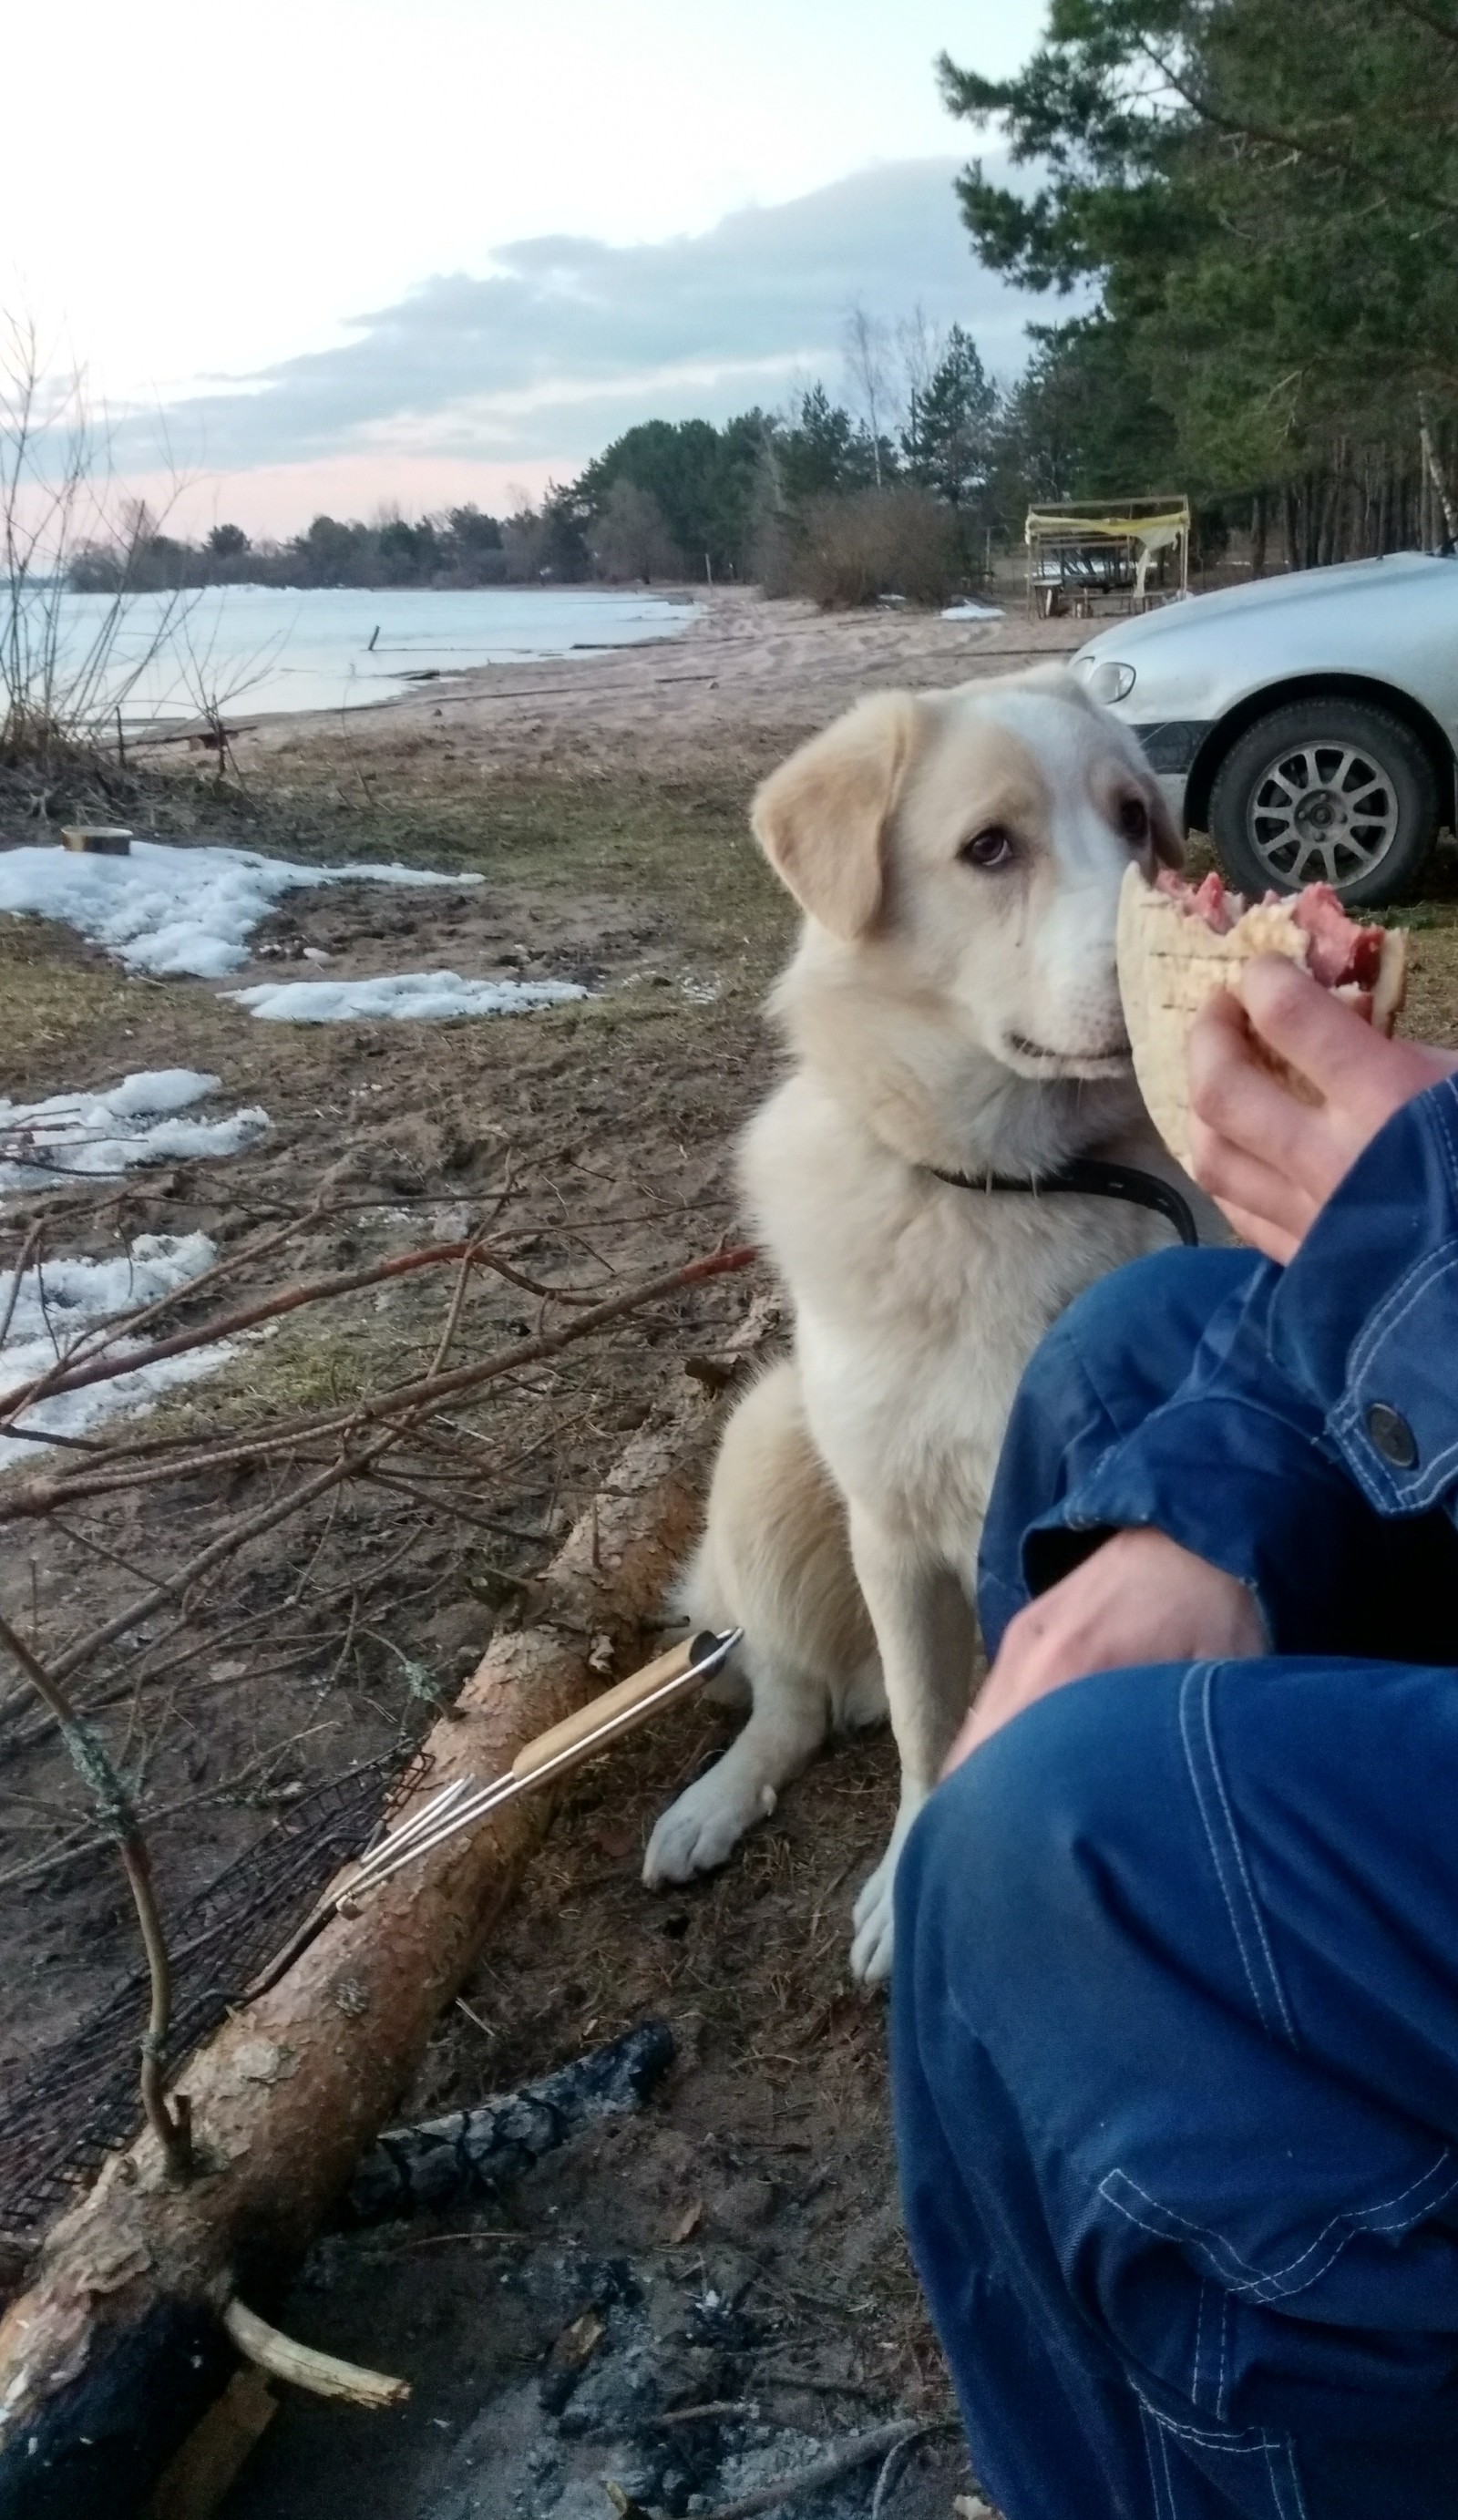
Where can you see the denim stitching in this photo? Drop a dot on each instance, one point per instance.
(1196, 1673)
(1275, 2491)
(1169, 2479)
(1293, 2471)
(1263, 2445)
(1235, 2446)
(1348, 1426)
(1374, 1327)
(1226, 2302)
(1146, 2429)
(1207, 1696)
(1347, 1423)
(1199, 2329)
(1377, 1333)
(1272, 2286)
(1399, 1303)
(1410, 1284)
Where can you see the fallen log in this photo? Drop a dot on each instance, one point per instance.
(116, 2348)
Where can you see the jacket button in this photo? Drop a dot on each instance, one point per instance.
(1391, 1436)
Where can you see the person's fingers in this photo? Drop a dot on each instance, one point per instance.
(1322, 1037)
(1259, 1233)
(1237, 1099)
(1237, 1178)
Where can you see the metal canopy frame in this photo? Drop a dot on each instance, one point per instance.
(1087, 554)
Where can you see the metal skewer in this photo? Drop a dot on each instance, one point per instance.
(444, 1817)
(389, 1838)
(465, 1800)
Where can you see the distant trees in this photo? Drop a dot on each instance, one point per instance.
(631, 539)
(463, 547)
(476, 539)
(701, 478)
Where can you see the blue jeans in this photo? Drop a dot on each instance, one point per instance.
(1175, 2029)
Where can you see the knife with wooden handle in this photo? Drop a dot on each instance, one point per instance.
(465, 1800)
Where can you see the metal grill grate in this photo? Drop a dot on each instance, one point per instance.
(61, 2116)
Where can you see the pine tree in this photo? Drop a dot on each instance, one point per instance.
(948, 440)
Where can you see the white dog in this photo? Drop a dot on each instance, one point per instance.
(952, 1008)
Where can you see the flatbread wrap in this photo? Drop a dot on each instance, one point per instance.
(1178, 943)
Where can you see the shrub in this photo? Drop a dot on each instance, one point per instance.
(851, 550)
(631, 538)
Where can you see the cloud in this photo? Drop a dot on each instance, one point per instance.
(566, 341)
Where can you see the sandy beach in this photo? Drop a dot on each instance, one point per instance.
(744, 681)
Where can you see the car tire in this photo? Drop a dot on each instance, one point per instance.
(1326, 791)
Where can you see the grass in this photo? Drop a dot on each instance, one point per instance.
(305, 1365)
(52, 995)
(630, 836)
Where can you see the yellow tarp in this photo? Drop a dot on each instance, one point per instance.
(1051, 526)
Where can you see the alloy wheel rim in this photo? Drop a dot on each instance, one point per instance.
(1322, 813)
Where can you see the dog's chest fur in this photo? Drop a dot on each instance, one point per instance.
(917, 1304)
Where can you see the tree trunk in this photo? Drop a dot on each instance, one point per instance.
(110, 2356)
(1437, 473)
(1258, 535)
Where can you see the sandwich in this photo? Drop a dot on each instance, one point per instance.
(1178, 943)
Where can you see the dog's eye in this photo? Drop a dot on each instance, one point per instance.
(1134, 819)
(994, 847)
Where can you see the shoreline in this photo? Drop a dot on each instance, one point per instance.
(748, 673)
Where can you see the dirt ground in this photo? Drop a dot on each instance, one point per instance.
(603, 801)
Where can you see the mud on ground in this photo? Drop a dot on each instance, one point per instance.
(607, 817)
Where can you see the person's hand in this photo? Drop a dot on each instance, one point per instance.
(1269, 1160)
(1139, 1599)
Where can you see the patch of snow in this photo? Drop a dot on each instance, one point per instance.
(59, 1300)
(135, 1122)
(424, 997)
(700, 993)
(967, 611)
(174, 911)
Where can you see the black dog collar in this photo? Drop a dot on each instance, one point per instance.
(1094, 1178)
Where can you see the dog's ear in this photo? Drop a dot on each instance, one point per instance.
(822, 817)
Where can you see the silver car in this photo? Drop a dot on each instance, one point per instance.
(1309, 723)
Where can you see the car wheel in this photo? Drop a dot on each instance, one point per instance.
(1325, 791)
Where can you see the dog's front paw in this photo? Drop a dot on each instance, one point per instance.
(874, 1915)
(702, 1828)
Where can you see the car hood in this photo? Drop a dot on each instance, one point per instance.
(1306, 586)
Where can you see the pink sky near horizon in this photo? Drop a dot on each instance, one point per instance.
(271, 502)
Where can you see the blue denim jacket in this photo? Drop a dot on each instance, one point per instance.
(1321, 1393)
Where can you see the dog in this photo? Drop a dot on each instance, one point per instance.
(952, 1008)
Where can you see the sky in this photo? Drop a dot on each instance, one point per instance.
(339, 254)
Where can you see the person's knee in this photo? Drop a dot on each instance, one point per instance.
(1117, 1351)
(1007, 1866)
(1140, 1322)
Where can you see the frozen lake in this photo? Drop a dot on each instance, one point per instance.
(250, 648)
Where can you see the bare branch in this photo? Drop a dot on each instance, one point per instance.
(22, 1500)
(173, 2132)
